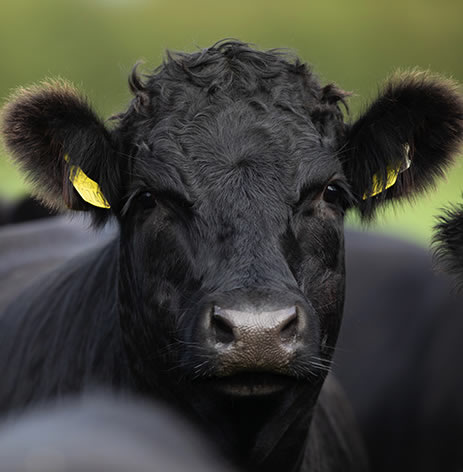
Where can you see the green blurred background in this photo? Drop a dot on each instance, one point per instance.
(355, 43)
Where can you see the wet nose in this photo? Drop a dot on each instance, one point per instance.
(235, 326)
(255, 339)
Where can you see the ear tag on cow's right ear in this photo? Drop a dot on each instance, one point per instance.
(391, 178)
(87, 188)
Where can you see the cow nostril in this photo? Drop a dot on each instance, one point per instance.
(222, 329)
(289, 327)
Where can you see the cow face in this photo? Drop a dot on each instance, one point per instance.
(232, 230)
(229, 174)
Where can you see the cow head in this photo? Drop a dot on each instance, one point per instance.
(230, 174)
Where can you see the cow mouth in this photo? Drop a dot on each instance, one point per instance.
(251, 384)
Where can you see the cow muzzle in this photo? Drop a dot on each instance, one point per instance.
(254, 346)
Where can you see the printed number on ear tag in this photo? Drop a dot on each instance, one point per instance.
(87, 188)
(378, 186)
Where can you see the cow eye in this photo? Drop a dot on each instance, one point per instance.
(146, 200)
(332, 194)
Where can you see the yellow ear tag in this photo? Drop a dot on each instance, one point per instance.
(391, 177)
(87, 188)
(378, 186)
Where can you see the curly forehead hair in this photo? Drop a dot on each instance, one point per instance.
(230, 71)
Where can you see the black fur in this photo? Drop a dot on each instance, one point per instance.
(43, 124)
(398, 355)
(448, 243)
(229, 175)
(417, 109)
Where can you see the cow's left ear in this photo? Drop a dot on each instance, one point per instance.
(405, 139)
(63, 147)
(448, 243)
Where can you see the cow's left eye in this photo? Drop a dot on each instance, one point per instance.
(146, 200)
(332, 194)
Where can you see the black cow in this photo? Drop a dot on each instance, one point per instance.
(100, 433)
(397, 355)
(228, 175)
(405, 380)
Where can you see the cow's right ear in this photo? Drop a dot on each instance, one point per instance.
(62, 146)
(448, 243)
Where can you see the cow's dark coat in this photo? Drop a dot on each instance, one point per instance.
(229, 175)
(30, 249)
(398, 355)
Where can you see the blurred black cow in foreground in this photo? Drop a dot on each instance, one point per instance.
(102, 433)
(229, 176)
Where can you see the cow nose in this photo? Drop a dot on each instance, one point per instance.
(255, 339)
(251, 327)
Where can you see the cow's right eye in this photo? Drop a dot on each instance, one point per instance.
(146, 200)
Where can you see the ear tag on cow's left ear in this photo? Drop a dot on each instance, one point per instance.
(87, 188)
(391, 178)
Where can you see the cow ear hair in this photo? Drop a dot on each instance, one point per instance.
(405, 139)
(448, 243)
(56, 138)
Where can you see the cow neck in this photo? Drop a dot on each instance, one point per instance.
(265, 434)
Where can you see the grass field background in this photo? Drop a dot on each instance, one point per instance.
(355, 43)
